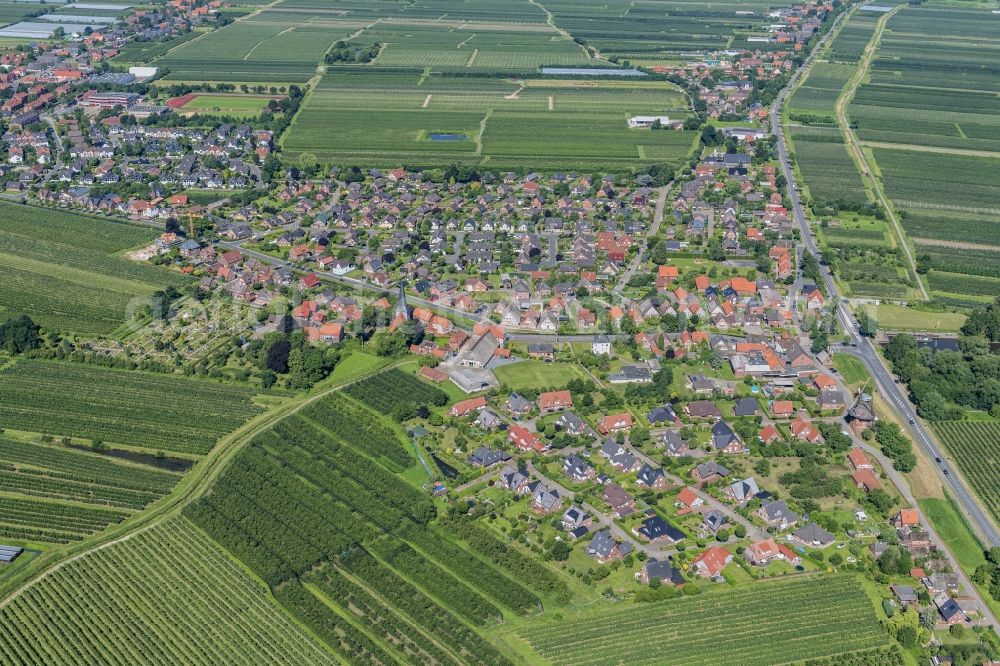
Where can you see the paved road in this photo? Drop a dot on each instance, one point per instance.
(863, 348)
(654, 228)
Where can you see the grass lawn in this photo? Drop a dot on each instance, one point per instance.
(537, 374)
(356, 365)
(851, 369)
(228, 103)
(954, 531)
(900, 318)
(952, 528)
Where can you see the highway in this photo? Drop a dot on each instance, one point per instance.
(862, 348)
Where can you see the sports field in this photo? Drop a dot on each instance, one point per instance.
(387, 117)
(246, 105)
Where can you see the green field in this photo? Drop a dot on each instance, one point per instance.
(574, 124)
(975, 446)
(953, 530)
(851, 370)
(900, 318)
(253, 52)
(335, 534)
(785, 622)
(127, 407)
(246, 105)
(167, 595)
(67, 271)
(56, 494)
(929, 115)
(537, 374)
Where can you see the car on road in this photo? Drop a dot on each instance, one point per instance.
(945, 470)
(937, 459)
(911, 422)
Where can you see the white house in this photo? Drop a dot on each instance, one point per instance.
(601, 345)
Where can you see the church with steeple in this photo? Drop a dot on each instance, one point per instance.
(402, 312)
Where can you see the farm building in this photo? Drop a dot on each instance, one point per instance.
(647, 121)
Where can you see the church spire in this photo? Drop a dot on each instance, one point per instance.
(401, 307)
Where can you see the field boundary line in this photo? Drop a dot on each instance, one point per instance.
(955, 244)
(967, 152)
(482, 130)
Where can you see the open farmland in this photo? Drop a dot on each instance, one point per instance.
(132, 408)
(166, 595)
(827, 78)
(975, 446)
(363, 543)
(475, 48)
(57, 494)
(928, 114)
(786, 622)
(579, 124)
(67, 272)
(253, 52)
(827, 167)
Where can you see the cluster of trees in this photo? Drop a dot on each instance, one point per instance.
(812, 480)
(351, 53)
(942, 383)
(355, 425)
(290, 356)
(19, 335)
(895, 445)
(398, 394)
(984, 322)
(988, 574)
(470, 568)
(345, 638)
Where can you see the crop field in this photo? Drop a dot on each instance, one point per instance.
(785, 622)
(448, 48)
(951, 225)
(248, 51)
(929, 116)
(152, 411)
(853, 38)
(819, 92)
(309, 515)
(581, 124)
(51, 493)
(975, 446)
(66, 270)
(147, 51)
(826, 166)
(386, 390)
(167, 595)
(661, 30)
